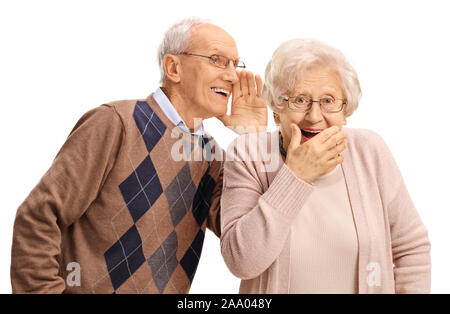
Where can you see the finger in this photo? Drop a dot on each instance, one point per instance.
(237, 86)
(336, 161)
(336, 150)
(241, 75)
(258, 85)
(244, 83)
(296, 137)
(327, 133)
(335, 139)
(251, 84)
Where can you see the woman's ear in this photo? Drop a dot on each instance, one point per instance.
(172, 68)
(276, 118)
(345, 114)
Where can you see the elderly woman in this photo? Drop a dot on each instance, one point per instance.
(328, 212)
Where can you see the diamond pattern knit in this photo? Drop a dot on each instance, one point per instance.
(118, 203)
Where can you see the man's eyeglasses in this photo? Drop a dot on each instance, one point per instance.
(219, 61)
(304, 103)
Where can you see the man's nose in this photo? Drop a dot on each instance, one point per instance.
(230, 74)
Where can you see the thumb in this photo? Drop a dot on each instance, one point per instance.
(296, 136)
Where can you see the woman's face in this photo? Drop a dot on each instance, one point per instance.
(317, 83)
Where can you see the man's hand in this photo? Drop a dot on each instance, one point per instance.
(318, 156)
(248, 109)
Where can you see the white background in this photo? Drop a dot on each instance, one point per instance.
(59, 59)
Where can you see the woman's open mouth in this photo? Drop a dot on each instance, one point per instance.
(308, 134)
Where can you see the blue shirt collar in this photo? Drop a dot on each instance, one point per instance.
(169, 110)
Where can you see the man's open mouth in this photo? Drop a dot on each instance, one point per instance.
(221, 91)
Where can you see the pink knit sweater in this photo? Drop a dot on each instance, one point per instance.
(260, 201)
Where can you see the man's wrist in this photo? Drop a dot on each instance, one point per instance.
(240, 129)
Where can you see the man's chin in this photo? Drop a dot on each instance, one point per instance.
(213, 107)
(219, 110)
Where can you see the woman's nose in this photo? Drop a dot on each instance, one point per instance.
(314, 114)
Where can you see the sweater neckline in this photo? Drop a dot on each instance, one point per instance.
(329, 178)
(150, 100)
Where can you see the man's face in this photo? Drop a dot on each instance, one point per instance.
(200, 79)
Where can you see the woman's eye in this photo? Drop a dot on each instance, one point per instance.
(302, 100)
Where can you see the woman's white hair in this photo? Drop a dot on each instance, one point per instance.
(176, 40)
(293, 58)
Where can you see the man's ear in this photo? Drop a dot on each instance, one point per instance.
(172, 68)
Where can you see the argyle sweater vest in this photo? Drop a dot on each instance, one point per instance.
(122, 209)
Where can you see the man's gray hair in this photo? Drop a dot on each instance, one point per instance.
(296, 56)
(176, 40)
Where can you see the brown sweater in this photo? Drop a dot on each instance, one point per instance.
(116, 203)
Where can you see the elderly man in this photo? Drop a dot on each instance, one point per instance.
(119, 211)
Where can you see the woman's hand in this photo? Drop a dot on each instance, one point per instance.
(316, 157)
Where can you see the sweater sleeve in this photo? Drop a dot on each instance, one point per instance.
(256, 224)
(410, 246)
(216, 172)
(60, 198)
(409, 236)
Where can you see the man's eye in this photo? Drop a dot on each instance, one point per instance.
(214, 58)
(223, 61)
